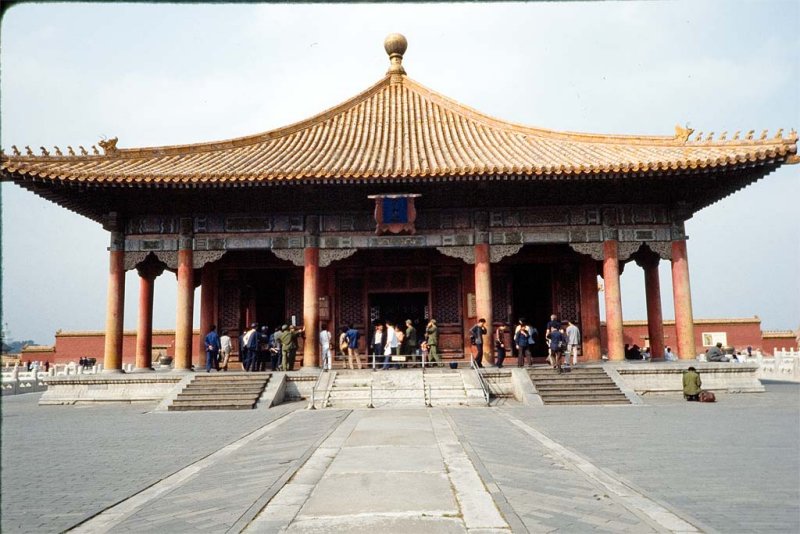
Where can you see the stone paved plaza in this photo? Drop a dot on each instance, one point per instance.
(663, 466)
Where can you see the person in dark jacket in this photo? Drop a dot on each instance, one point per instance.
(558, 343)
(212, 348)
(476, 334)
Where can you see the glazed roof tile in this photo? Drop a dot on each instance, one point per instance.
(400, 129)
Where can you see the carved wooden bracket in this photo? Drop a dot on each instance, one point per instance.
(294, 255)
(467, 254)
(328, 256)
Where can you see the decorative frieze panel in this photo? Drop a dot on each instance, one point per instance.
(397, 242)
(248, 224)
(248, 243)
(546, 236)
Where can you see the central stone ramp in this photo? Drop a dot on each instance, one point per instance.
(401, 388)
(223, 391)
(582, 385)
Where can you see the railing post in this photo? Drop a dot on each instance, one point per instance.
(370, 397)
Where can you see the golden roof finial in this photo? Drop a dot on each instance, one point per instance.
(395, 45)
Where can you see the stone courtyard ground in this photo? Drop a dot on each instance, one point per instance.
(663, 466)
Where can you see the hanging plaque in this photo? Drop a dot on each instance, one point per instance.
(395, 214)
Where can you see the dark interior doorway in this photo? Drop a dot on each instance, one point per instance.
(533, 299)
(268, 288)
(397, 307)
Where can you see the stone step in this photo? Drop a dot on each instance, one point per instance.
(215, 405)
(218, 395)
(575, 372)
(580, 393)
(577, 387)
(585, 401)
(565, 381)
(231, 377)
(220, 388)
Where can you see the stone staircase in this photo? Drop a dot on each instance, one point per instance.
(348, 389)
(221, 391)
(447, 387)
(499, 382)
(582, 385)
(398, 388)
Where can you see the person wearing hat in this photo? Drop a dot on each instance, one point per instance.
(289, 345)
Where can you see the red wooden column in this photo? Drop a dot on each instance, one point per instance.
(652, 289)
(590, 311)
(483, 296)
(682, 295)
(208, 295)
(144, 329)
(185, 304)
(115, 305)
(311, 306)
(616, 346)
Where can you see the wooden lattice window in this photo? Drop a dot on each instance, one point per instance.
(501, 299)
(294, 298)
(229, 306)
(445, 296)
(351, 301)
(568, 292)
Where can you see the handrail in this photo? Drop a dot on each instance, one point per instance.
(314, 389)
(484, 387)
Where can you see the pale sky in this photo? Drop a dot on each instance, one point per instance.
(176, 74)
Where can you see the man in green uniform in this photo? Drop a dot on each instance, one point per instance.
(432, 338)
(410, 341)
(289, 345)
(691, 384)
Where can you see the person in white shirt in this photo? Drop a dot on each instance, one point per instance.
(226, 347)
(325, 346)
(391, 344)
(573, 342)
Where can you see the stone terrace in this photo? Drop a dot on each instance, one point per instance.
(666, 465)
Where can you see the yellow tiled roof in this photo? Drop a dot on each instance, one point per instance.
(401, 129)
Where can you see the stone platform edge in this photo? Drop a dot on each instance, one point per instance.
(666, 377)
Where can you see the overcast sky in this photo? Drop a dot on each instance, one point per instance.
(176, 74)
